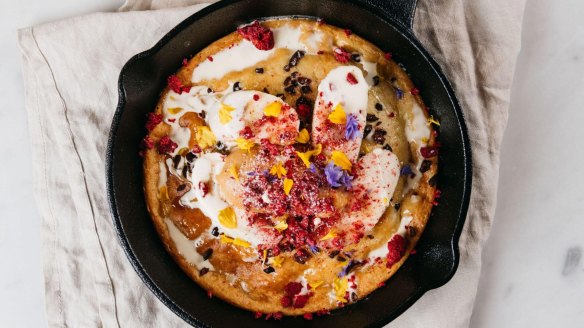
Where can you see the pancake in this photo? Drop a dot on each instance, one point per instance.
(289, 167)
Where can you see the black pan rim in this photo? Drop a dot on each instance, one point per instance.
(408, 35)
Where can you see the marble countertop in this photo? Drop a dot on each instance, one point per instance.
(533, 266)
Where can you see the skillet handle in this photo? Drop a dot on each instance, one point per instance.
(401, 10)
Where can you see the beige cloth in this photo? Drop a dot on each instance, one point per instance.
(71, 69)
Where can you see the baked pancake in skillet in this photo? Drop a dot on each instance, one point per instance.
(288, 167)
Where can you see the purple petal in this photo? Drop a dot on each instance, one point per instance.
(352, 127)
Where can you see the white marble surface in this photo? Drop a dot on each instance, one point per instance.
(525, 281)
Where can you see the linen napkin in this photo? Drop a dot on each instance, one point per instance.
(71, 70)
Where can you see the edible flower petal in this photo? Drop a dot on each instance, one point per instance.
(341, 160)
(281, 226)
(338, 115)
(174, 110)
(205, 137)
(234, 172)
(225, 113)
(288, 183)
(235, 241)
(277, 261)
(330, 235)
(225, 239)
(303, 136)
(244, 144)
(352, 128)
(227, 218)
(241, 242)
(340, 286)
(432, 120)
(305, 157)
(279, 170)
(333, 174)
(316, 284)
(274, 109)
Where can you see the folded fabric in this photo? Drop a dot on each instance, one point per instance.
(71, 69)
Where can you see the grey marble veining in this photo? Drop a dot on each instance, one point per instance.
(533, 272)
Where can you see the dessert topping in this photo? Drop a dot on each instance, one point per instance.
(261, 37)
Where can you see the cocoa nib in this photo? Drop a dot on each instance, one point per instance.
(379, 136)
(426, 164)
(294, 60)
(301, 256)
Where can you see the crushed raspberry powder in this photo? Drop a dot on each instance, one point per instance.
(166, 145)
(307, 316)
(261, 37)
(388, 55)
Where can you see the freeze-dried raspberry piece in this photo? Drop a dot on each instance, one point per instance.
(293, 288)
(303, 110)
(176, 85)
(147, 143)
(166, 145)
(429, 152)
(152, 121)
(352, 79)
(300, 301)
(286, 301)
(261, 37)
(341, 55)
(397, 248)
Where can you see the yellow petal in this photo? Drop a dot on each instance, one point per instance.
(225, 240)
(340, 286)
(174, 110)
(316, 284)
(183, 151)
(281, 226)
(278, 170)
(205, 137)
(432, 120)
(303, 136)
(288, 183)
(241, 242)
(277, 261)
(227, 218)
(365, 147)
(305, 157)
(330, 235)
(225, 113)
(317, 150)
(244, 144)
(234, 172)
(338, 115)
(274, 109)
(341, 160)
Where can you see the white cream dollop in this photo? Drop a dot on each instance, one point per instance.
(244, 54)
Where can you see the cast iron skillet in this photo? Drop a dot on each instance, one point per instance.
(387, 24)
